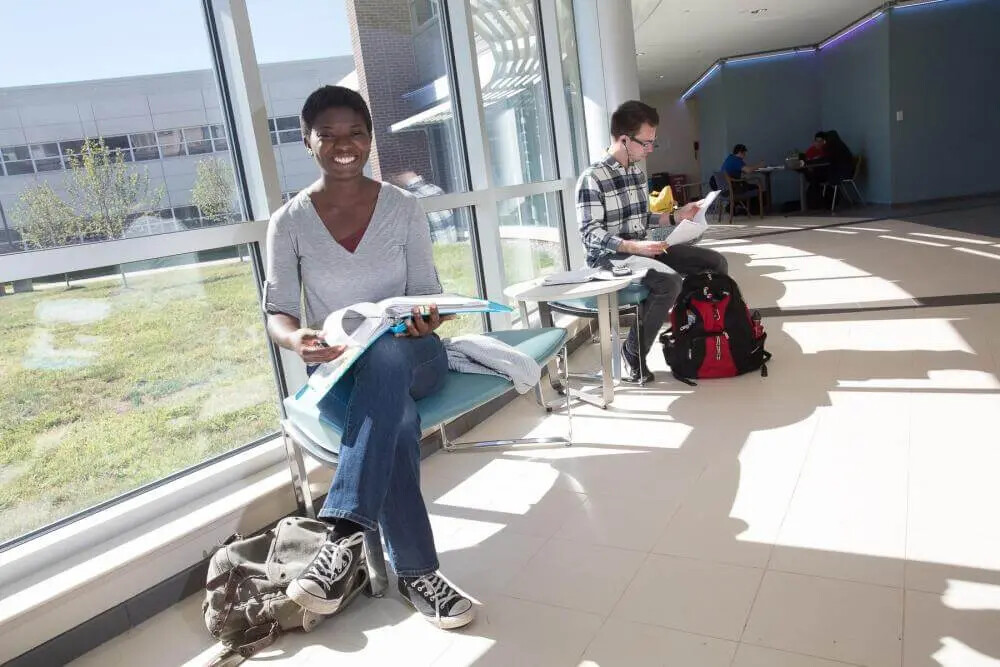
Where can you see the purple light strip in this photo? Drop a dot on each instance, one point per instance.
(907, 5)
(703, 79)
(774, 54)
(845, 33)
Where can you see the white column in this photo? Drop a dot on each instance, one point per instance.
(608, 68)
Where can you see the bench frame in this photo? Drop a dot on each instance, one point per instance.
(292, 437)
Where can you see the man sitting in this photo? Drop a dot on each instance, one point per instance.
(612, 206)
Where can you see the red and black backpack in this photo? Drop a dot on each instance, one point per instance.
(713, 334)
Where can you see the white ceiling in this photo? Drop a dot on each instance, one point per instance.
(680, 39)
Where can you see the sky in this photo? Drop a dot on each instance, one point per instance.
(57, 41)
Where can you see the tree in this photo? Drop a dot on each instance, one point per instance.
(44, 219)
(107, 193)
(214, 189)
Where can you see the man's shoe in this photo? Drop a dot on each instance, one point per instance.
(332, 576)
(437, 601)
(630, 374)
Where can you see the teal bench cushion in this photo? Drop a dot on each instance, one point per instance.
(462, 392)
(629, 295)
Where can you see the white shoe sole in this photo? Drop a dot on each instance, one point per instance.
(319, 605)
(448, 622)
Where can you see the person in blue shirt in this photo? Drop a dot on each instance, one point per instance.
(737, 168)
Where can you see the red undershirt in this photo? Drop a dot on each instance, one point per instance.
(351, 242)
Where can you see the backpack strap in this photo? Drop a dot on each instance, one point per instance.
(258, 637)
(234, 579)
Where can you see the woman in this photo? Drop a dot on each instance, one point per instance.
(343, 240)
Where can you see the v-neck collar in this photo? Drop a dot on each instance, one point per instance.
(364, 237)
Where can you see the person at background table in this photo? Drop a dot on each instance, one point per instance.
(817, 149)
(839, 156)
(737, 168)
(612, 207)
(347, 239)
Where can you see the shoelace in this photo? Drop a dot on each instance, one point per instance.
(332, 560)
(435, 590)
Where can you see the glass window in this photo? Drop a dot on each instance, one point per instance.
(107, 389)
(219, 138)
(154, 90)
(144, 146)
(171, 142)
(17, 159)
(513, 88)
(119, 145)
(456, 266)
(289, 129)
(69, 148)
(402, 70)
(46, 157)
(198, 140)
(573, 86)
(530, 236)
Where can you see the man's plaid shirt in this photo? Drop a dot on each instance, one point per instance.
(612, 205)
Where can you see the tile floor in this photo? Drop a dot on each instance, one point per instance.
(841, 511)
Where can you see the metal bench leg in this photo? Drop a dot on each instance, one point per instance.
(450, 446)
(300, 480)
(379, 576)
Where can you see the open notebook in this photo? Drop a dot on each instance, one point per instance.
(357, 327)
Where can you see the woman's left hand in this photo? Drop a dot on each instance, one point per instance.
(417, 325)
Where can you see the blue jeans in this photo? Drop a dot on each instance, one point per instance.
(377, 482)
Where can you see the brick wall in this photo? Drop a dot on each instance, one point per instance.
(381, 36)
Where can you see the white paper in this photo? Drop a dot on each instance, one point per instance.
(577, 277)
(689, 231)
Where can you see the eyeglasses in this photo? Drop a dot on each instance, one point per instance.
(648, 145)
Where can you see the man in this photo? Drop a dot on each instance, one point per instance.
(612, 206)
(736, 167)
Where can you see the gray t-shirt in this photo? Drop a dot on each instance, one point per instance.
(394, 258)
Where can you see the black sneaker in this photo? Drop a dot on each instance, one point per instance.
(437, 600)
(630, 374)
(332, 576)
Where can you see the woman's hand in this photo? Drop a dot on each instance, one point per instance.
(417, 326)
(309, 344)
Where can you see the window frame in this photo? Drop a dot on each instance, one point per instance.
(249, 141)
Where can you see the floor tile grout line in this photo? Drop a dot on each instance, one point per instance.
(804, 655)
(770, 555)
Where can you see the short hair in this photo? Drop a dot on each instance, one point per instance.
(739, 148)
(333, 97)
(629, 117)
(820, 135)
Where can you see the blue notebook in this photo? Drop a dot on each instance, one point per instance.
(360, 325)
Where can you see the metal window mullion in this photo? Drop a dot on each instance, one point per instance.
(473, 114)
(253, 156)
(80, 257)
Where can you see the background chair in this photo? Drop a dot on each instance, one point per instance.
(729, 197)
(844, 182)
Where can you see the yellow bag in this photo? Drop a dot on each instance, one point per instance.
(662, 201)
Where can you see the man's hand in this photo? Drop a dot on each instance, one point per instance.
(688, 211)
(417, 326)
(644, 248)
(308, 344)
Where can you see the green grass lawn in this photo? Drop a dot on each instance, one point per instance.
(105, 388)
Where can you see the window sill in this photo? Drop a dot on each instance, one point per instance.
(42, 604)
